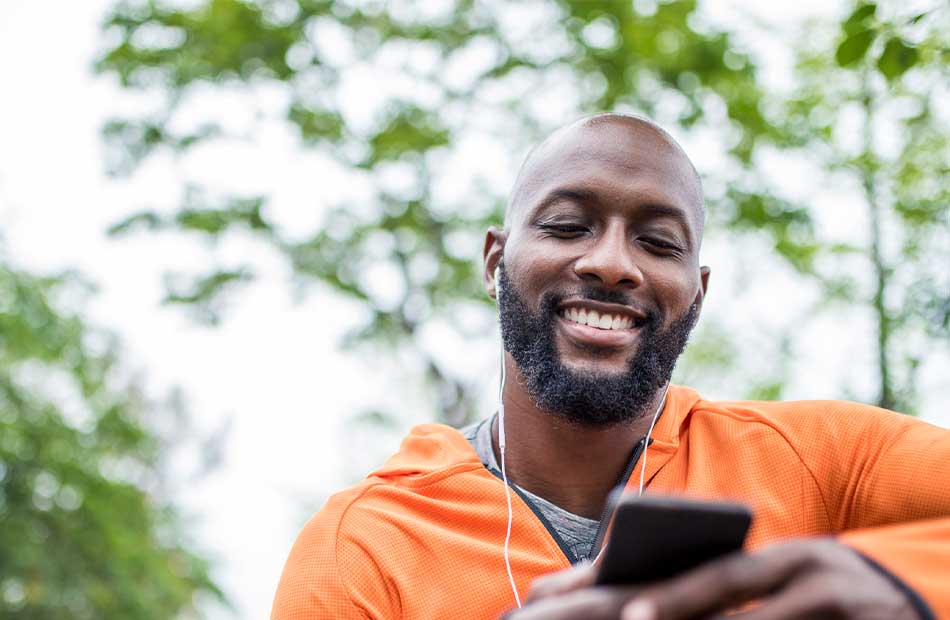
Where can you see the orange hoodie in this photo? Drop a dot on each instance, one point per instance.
(422, 537)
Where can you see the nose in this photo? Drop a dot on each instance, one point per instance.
(610, 260)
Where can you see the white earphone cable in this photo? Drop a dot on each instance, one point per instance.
(504, 473)
(504, 476)
(643, 468)
(501, 452)
(646, 440)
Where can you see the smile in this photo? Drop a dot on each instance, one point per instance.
(594, 324)
(592, 318)
(599, 315)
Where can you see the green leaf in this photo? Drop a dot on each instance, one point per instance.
(854, 47)
(316, 124)
(239, 211)
(409, 130)
(204, 288)
(768, 390)
(856, 21)
(896, 58)
(149, 220)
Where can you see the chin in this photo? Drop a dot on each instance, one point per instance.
(596, 366)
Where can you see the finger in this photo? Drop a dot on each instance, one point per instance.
(787, 606)
(562, 582)
(597, 603)
(718, 585)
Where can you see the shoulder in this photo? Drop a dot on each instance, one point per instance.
(312, 583)
(435, 471)
(348, 553)
(805, 422)
(394, 494)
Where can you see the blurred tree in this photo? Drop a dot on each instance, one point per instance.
(870, 106)
(463, 67)
(80, 536)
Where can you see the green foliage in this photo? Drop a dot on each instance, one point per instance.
(197, 216)
(854, 47)
(203, 294)
(316, 125)
(896, 58)
(410, 131)
(221, 39)
(858, 30)
(81, 538)
(789, 226)
(140, 138)
(880, 78)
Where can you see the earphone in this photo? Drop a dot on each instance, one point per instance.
(504, 473)
(501, 450)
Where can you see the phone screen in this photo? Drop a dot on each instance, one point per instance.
(656, 537)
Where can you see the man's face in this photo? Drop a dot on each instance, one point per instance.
(601, 263)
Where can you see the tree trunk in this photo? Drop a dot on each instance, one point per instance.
(886, 397)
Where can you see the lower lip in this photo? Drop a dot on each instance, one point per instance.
(592, 336)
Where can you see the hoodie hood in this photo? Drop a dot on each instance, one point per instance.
(432, 448)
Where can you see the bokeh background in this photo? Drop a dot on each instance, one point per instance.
(240, 247)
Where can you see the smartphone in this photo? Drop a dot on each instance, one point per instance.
(655, 537)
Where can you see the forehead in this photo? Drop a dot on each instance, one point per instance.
(622, 164)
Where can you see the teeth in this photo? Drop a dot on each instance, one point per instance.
(593, 318)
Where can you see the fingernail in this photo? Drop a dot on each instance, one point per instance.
(639, 610)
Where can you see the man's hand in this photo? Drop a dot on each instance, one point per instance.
(789, 581)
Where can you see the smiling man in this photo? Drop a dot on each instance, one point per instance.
(598, 283)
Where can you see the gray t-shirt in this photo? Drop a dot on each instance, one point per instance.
(576, 532)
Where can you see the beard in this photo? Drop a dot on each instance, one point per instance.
(579, 396)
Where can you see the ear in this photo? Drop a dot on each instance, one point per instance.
(703, 285)
(492, 254)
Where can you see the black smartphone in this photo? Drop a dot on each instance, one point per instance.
(655, 537)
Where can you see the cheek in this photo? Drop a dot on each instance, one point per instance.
(674, 291)
(533, 268)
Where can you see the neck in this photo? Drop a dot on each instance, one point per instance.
(574, 467)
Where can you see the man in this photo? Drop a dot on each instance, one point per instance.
(598, 282)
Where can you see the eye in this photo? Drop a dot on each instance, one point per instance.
(662, 246)
(563, 231)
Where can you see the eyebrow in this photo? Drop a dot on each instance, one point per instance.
(574, 194)
(664, 210)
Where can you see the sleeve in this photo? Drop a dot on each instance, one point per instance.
(331, 574)
(899, 513)
(913, 557)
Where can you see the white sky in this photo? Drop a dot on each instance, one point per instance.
(273, 368)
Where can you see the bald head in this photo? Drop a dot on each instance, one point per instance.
(630, 142)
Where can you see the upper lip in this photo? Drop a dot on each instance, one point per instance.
(638, 316)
